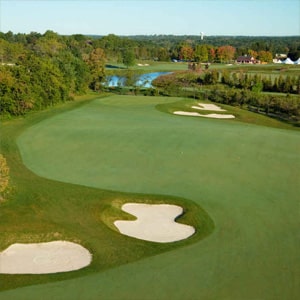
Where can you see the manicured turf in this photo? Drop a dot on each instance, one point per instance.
(40, 210)
(152, 66)
(245, 176)
(241, 115)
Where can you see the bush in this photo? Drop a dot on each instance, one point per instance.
(4, 176)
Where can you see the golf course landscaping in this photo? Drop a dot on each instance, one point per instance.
(163, 205)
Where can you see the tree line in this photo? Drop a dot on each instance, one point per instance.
(192, 48)
(233, 79)
(237, 89)
(168, 47)
(40, 70)
(256, 82)
(211, 48)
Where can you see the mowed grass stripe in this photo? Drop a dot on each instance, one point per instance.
(246, 177)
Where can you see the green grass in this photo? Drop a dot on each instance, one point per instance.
(153, 66)
(241, 115)
(40, 210)
(245, 176)
(269, 68)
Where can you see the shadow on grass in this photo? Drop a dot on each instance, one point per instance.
(113, 67)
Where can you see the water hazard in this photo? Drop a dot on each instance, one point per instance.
(144, 80)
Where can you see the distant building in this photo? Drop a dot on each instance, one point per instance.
(279, 58)
(246, 59)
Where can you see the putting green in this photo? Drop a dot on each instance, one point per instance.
(246, 177)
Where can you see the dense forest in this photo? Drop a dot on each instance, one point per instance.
(211, 48)
(40, 70)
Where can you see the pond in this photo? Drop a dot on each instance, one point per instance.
(144, 80)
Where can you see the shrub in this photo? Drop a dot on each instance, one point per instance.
(4, 176)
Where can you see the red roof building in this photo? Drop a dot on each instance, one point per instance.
(246, 60)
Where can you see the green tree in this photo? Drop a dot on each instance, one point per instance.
(7, 83)
(287, 86)
(163, 54)
(211, 77)
(294, 53)
(226, 77)
(267, 83)
(41, 82)
(257, 87)
(10, 52)
(252, 53)
(48, 47)
(96, 62)
(128, 58)
(201, 53)
(265, 56)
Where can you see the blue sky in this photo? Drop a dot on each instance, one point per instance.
(129, 17)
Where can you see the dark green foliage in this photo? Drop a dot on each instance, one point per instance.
(128, 58)
(96, 63)
(38, 71)
(237, 89)
(32, 83)
(294, 52)
(283, 107)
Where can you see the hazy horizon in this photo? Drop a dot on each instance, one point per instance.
(153, 17)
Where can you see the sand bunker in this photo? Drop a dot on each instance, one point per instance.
(186, 113)
(195, 114)
(44, 258)
(155, 223)
(212, 107)
(203, 106)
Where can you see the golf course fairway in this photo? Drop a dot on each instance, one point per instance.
(246, 177)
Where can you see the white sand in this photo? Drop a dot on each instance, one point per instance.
(43, 258)
(195, 114)
(186, 113)
(155, 222)
(218, 116)
(212, 107)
